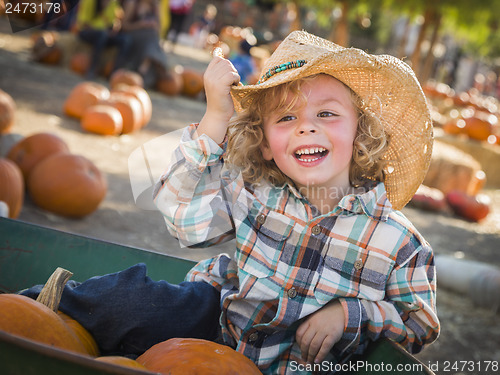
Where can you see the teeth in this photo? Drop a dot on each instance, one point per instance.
(311, 150)
(309, 160)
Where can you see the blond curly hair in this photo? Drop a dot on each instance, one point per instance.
(246, 134)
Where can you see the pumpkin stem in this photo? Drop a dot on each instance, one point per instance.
(52, 291)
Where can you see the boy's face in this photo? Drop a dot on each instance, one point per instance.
(312, 143)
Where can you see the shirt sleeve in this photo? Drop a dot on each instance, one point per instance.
(406, 315)
(194, 194)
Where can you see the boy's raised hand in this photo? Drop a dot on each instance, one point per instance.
(320, 331)
(219, 76)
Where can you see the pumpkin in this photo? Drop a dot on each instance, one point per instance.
(142, 96)
(470, 207)
(171, 84)
(7, 112)
(67, 184)
(121, 361)
(180, 356)
(454, 126)
(125, 76)
(12, 187)
(81, 333)
(80, 63)
(477, 129)
(34, 320)
(83, 96)
(192, 82)
(130, 109)
(46, 49)
(31, 150)
(102, 119)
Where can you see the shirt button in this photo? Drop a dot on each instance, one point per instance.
(316, 229)
(261, 219)
(292, 292)
(358, 264)
(253, 337)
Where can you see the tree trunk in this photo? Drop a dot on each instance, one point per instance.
(429, 59)
(340, 31)
(296, 23)
(415, 57)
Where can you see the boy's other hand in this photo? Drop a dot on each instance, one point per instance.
(320, 331)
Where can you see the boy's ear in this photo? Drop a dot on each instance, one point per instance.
(266, 150)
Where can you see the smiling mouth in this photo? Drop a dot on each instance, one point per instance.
(310, 154)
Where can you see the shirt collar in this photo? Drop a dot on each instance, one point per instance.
(293, 190)
(373, 203)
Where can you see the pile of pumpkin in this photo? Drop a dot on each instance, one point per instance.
(466, 114)
(179, 80)
(126, 108)
(41, 321)
(56, 179)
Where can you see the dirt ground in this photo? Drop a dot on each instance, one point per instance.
(469, 333)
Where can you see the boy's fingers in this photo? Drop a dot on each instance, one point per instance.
(236, 79)
(314, 347)
(326, 346)
(217, 51)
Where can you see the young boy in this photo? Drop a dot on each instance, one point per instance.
(308, 178)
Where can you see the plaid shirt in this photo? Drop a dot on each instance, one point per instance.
(291, 260)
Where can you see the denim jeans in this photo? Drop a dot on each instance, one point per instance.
(127, 312)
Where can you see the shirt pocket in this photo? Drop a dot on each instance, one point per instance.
(260, 252)
(352, 271)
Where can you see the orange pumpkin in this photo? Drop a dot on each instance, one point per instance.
(142, 96)
(83, 96)
(68, 185)
(125, 76)
(30, 151)
(81, 333)
(130, 109)
(46, 49)
(121, 361)
(80, 63)
(192, 82)
(102, 119)
(455, 126)
(7, 112)
(25, 317)
(477, 129)
(180, 356)
(171, 84)
(12, 187)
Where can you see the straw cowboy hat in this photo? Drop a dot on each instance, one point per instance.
(389, 90)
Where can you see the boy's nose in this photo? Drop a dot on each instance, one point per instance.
(306, 127)
(302, 131)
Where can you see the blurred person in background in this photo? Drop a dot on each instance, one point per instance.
(179, 10)
(141, 23)
(99, 24)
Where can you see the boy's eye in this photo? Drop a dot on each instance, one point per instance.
(326, 114)
(286, 118)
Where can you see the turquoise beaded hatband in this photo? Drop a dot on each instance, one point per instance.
(281, 68)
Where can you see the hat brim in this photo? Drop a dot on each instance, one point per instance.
(390, 91)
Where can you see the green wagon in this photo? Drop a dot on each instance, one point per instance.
(30, 253)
